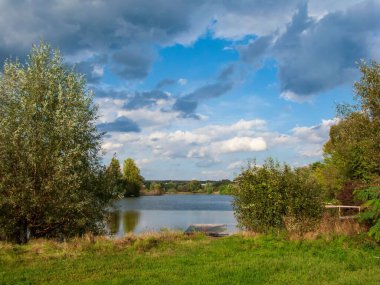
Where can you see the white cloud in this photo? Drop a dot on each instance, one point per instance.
(245, 144)
(97, 70)
(182, 81)
(111, 146)
(293, 97)
(236, 165)
(215, 146)
(215, 174)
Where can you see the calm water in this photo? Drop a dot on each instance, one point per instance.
(152, 213)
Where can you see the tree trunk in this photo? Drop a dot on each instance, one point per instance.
(21, 234)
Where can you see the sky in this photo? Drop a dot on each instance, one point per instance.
(196, 89)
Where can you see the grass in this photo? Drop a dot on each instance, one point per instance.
(172, 258)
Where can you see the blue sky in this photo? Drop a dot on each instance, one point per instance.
(195, 89)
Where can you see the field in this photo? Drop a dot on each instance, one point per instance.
(171, 258)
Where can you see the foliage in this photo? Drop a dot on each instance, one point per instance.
(268, 196)
(354, 144)
(115, 178)
(351, 147)
(51, 180)
(329, 178)
(156, 189)
(132, 179)
(208, 188)
(371, 207)
(194, 186)
(226, 189)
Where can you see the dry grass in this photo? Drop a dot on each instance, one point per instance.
(330, 226)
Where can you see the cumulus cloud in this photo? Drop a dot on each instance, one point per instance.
(317, 54)
(224, 146)
(236, 165)
(188, 104)
(235, 144)
(121, 124)
(126, 32)
(145, 99)
(314, 134)
(315, 48)
(306, 141)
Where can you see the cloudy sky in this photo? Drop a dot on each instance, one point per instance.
(194, 89)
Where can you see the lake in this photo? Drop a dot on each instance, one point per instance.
(176, 212)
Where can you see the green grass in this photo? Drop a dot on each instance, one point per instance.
(171, 258)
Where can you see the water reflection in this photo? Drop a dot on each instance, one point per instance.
(176, 212)
(130, 220)
(121, 223)
(114, 222)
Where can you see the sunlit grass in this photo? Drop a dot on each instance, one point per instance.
(172, 258)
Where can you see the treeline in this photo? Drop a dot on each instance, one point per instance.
(277, 196)
(157, 187)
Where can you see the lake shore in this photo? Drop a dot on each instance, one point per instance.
(153, 193)
(174, 258)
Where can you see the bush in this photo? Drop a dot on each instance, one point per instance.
(371, 209)
(274, 196)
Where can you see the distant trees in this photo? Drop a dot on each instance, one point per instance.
(126, 182)
(273, 195)
(51, 181)
(156, 188)
(115, 178)
(132, 178)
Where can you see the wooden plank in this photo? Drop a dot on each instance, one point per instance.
(342, 206)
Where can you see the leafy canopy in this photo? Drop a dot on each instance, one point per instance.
(51, 180)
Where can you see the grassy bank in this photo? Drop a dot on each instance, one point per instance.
(171, 258)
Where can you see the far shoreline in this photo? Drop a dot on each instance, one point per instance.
(142, 193)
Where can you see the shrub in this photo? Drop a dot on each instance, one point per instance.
(371, 207)
(274, 196)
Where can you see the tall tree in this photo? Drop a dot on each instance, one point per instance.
(132, 178)
(114, 177)
(51, 180)
(354, 144)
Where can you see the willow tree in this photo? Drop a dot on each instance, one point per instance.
(51, 180)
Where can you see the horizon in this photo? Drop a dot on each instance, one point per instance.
(196, 90)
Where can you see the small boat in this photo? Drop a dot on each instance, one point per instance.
(214, 230)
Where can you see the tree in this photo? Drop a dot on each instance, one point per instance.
(193, 186)
(354, 144)
(51, 179)
(156, 188)
(115, 178)
(132, 178)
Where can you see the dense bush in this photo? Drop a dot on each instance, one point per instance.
(273, 196)
(370, 196)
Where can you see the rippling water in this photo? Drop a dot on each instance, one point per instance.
(152, 213)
